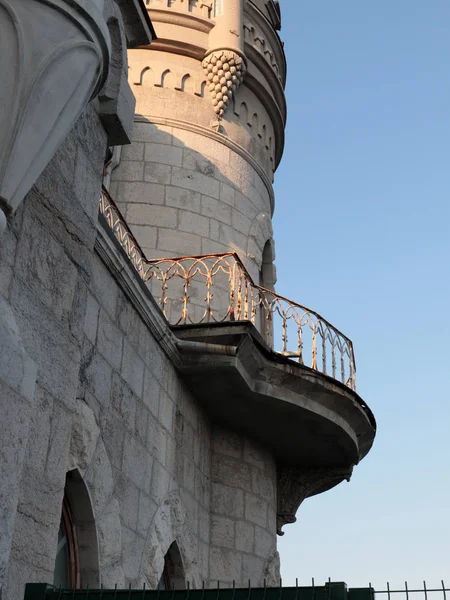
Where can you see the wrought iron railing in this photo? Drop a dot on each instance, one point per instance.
(217, 288)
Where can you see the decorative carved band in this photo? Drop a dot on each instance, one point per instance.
(295, 484)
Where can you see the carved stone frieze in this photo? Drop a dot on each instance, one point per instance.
(47, 81)
(295, 484)
(224, 70)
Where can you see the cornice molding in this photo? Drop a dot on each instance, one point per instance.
(218, 137)
(176, 47)
(181, 20)
(120, 267)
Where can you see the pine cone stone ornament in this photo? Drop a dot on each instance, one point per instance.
(224, 71)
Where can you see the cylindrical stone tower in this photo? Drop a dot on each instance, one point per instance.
(209, 132)
(195, 186)
(197, 180)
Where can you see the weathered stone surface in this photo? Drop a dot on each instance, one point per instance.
(166, 410)
(181, 198)
(175, 242)
(54, 352)
(109, 341)
(128, 495)
(96, 374)
(264, 542)
(227, 443)
(141, 214)
(164, 154)
(84, 437)
(8, 244)
(17, 410)
(132, 369)
(152, 392)
(130, 170)
(133, 151)
(104, 287)
(17, 369)
(91, 318)
(255, 510)
(155, 172)
(227, 500)
(146, 512)
(110, 535)
(137, 463)
(140, 192)
(222, 532)
(211, 207)
(195, 181)
(252, 569)
(224, 564)
(193, 223)
(232, 471)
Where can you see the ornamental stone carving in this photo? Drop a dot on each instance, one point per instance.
(295, 484)
(224, 70)
(47, 81)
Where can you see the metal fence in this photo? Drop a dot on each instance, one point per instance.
(217, 288)
(329, 591)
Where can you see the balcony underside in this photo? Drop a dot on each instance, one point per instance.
(304, 417)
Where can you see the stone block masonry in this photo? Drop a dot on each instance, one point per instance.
(243, 506)
(185, 194)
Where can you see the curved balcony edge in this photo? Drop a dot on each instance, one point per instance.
(316, 428)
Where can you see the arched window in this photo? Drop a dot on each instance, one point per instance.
(173, 576)
(267, 280)
(67, 566)
(76, 563)
(267, 276)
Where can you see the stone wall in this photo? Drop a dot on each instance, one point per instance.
(109, 414)
(243, 517)
(186, 194)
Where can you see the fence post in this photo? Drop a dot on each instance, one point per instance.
(361, 593)
(37, 591)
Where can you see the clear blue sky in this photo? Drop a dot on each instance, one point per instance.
(362, 229)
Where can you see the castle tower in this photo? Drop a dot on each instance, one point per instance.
(209, 132)
(195, 190)
(160, 445)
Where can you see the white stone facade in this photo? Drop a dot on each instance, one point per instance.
(108, 403)
(99, 421)
(183, 194)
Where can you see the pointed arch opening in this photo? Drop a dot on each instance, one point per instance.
(173, 576)
(146, 77)
(267, 280)
(76, 564)
(167, 79)
(267, 276)
(187, 84)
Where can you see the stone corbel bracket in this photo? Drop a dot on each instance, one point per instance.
(47, 81)
(224, 70)
(295, 484)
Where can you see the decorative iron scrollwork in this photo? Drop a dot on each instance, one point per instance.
(216, 288)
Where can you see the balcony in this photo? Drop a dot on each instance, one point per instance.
(259, 363)
(216, 288)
